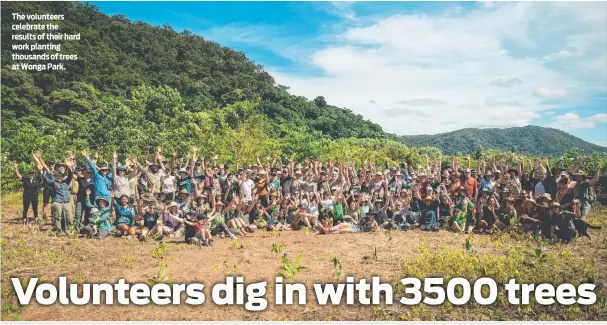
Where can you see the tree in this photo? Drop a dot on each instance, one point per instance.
(320, 101)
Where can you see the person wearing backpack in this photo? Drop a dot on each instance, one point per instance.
(585, 190)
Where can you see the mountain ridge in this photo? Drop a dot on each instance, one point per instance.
(530, 139)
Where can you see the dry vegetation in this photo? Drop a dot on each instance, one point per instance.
(32, 252)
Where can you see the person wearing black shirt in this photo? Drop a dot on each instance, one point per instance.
(85, 181)
(30, 192)
(562, 223)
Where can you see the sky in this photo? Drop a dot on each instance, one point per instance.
(420, 67)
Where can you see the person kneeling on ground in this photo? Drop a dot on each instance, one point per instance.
(100, 225)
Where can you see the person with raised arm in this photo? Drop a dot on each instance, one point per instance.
(102, 177)
(61, 207)
(31, 187)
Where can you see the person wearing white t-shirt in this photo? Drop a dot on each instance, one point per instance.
(246, 188)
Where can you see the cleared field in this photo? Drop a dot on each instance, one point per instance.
(30, 251)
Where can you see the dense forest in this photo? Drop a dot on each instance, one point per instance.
(531, 140)
(137, 86)
(119, 57)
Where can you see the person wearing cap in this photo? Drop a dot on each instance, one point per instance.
(172, 220)
(562, 225)
(583, 190)
(100, 225)
(31, 187)
(217, 221)
(102, 177)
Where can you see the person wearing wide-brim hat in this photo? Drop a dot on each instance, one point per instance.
(201, 204)
(121, 180)
(102, 204)
(103, 179)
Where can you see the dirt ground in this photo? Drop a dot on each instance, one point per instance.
(30, 252)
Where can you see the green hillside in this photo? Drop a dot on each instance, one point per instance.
(531, 140)
(118, 56)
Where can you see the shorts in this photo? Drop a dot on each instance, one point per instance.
(197, 236)
(585, 209)
(356, 228)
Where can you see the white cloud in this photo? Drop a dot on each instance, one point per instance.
(572, 121)
(548, 93)
(492, 66)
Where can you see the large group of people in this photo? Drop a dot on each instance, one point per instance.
(199, 199)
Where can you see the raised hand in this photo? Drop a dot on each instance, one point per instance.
(115, 155)
(88, 191)
(85, 154)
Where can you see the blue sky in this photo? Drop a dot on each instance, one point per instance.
(420, 68)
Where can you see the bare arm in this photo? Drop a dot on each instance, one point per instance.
(597, 175)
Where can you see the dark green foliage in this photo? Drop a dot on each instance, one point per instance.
(530, 140)
(122, 62)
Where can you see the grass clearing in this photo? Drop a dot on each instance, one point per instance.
(30, 251)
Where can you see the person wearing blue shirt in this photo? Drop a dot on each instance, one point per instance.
(103, 178)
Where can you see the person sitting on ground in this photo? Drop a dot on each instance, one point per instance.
(562, 223)
(100, 225)
(172, 220)
(125, 218)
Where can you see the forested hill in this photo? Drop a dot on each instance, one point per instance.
(532, 140)
(117, 55)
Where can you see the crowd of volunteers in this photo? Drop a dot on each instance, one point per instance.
(199, 199)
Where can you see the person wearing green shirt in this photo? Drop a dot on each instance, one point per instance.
(217, 221)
